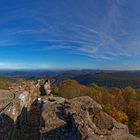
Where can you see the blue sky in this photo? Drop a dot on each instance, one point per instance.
(70, 34)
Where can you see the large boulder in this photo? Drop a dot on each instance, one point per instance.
(80, 118)
(15, 103)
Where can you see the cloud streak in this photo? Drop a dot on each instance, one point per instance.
(44, 28)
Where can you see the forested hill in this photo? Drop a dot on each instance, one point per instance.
(109, 80)
(119, 79)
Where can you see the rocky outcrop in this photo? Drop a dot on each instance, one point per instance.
(13, 103)
(44, 87)
(47, 87)
(33, 117)
(80, 118)
(24, 96)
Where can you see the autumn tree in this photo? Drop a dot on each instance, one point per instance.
(129, 93)
(71, 89)
(116, 114)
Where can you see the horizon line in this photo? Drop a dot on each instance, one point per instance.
(70, 69)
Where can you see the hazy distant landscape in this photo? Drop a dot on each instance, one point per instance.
(105, 78)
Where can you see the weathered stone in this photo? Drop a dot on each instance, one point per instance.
(47, 87)
(32, 117)
(81, 118)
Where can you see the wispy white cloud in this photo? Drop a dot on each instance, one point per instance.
(103, 42)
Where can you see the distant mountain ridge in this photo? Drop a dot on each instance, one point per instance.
(105, 78)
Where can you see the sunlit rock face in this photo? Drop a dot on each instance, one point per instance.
(80, 118)
(24, 95)
(18, 96)
(12, 103)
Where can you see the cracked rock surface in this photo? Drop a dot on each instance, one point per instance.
(30, 116)
(80, 118)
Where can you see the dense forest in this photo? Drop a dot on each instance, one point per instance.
(109, 80)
